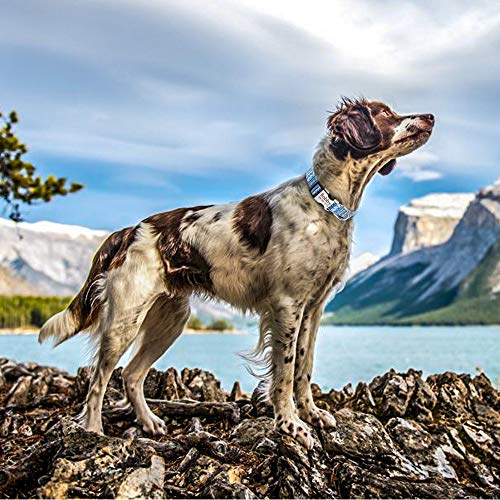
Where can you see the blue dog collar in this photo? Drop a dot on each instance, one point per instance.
(323, 197)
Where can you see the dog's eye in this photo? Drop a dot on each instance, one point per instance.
(386, 112)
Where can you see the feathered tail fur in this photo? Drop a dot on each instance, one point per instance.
(61, 327)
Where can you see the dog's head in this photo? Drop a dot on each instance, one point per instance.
(370, 132)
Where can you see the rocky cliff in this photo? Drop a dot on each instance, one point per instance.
(398, 436)
(456, 281)
(428, 221)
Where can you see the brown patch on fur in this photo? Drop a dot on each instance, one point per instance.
(386, 121)
(185, 268)
(355, 125)
(84, 307)
(252, 221)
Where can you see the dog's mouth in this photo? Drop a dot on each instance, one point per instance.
(387, 168)
(419, 134)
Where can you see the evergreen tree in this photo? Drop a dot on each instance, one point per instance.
(18, 180)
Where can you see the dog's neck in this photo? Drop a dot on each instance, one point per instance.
(344, 179)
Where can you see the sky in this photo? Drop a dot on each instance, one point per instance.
(159, 104)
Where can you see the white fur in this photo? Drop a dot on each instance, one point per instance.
(60, 327)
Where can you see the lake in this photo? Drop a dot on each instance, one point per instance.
(343, 354)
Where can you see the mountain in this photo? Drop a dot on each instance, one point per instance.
(362, 262)
(428, 221)
(420, 282)
(54, 258)
(10, 284)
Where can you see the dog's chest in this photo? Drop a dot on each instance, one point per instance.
(313, 253)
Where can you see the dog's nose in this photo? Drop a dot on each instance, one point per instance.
(429, 117)
(425, 122)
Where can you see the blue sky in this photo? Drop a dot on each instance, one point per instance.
(157, 104)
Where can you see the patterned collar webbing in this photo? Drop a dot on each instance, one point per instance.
(323, 197)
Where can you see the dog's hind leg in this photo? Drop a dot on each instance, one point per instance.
(284, 323)
(128, 292)
(304, 359)
(117, 329)
(113, 345)
(164, 322)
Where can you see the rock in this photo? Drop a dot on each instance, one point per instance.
(203, 385)
(359, 435)
(144, 483)
(236, 393)
(398, 436)
(227, 484)
(428, 221)
(252, 431)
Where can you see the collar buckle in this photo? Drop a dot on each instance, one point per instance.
(324, 198)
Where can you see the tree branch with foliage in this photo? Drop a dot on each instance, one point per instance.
(19, 183)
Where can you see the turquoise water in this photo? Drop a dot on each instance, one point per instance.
(343, 354)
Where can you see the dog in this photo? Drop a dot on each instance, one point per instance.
(279, 254)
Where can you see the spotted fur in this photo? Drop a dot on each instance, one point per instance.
(278, 254)
(252, 221)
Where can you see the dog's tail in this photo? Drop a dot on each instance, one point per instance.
(83, 310)
(61, 327)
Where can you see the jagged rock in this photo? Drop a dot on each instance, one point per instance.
(236, 393)
(250, 432)
(398, 436)
(144, 482)
(227, 484)
(428, 221)
(203, 385)
(359, 435)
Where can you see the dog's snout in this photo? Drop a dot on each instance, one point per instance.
(425, 122)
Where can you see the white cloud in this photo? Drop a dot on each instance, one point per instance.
(416, 166)
(419, 174)
(390, 38)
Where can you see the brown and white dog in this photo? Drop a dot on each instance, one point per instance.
(279, 254)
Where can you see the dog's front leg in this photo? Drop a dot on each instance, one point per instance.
(285, 319)
(304, 359)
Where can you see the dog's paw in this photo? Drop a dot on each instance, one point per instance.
(293, 426)
(93, 427)
(89, 421)
(153, 424)
(321, 419)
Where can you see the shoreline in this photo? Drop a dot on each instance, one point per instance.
(237, 331)
(190, 331)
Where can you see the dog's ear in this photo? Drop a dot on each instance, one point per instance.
(355, 126)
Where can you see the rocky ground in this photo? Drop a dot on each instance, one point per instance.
(399, 436)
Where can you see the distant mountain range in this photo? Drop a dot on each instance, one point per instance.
(46, 258)
(443, 267)
(53, 258)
